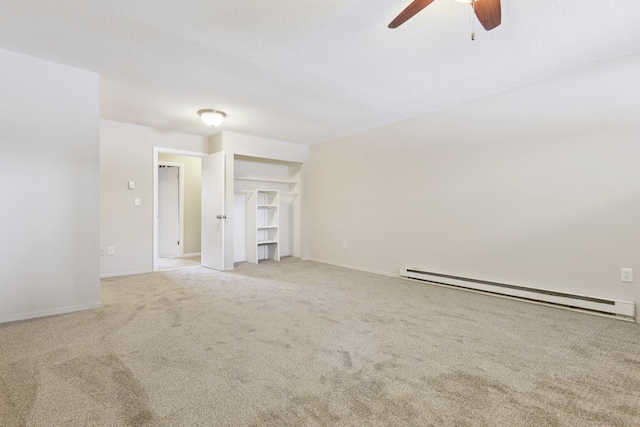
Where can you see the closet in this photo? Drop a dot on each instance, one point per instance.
(267, 209)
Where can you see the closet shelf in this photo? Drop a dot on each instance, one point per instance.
(275, 181)
(263, 222)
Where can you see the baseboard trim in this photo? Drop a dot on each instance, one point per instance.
(526, 301)
(351, 267)
(129, 273)
(191, 255)
(46, 313)
(367, 270)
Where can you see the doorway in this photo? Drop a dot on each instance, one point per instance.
(201, 188)
(170, 214)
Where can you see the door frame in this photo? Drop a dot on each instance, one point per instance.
(180, 167)
(156, 163)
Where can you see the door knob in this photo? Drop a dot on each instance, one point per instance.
(221, 217)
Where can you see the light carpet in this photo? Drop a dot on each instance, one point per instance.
(299, 343)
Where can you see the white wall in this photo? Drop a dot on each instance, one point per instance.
(126, 154)
(538, 186)
(192, 196)
(49, 187)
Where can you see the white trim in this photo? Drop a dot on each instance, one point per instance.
(351, 267)
(45, 313)
(156, 152)
(179, 152)
(128, 273)
(626, 318)
(624, 310)
(273, 181)
(546, 304)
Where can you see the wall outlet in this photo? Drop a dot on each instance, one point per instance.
(344, 244)
(111, 250)
(136, 201)
(627, 274)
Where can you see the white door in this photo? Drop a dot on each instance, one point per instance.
(213, 212)
(168, 212)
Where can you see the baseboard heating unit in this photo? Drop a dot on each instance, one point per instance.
(624, 310)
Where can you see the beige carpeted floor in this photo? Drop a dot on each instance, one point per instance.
(298, 343)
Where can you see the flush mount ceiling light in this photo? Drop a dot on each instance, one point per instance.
(212, 118)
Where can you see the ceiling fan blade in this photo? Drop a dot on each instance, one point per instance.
(411, 10)
(488, 12)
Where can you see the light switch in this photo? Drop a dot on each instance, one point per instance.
(132, 185)
(137, 201)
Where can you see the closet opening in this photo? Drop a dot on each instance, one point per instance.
(267, 209)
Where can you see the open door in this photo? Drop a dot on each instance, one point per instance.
(213, 212)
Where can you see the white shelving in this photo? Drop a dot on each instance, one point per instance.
(263, 226)
(252, 174)
(273, 181)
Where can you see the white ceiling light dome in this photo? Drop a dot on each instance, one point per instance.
(211, 117)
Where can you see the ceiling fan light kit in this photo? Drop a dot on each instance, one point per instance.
(211, 117)
(488, 12)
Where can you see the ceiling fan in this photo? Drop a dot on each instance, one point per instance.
(487, 11)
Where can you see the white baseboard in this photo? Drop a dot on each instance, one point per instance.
(351, 267)
(190, 255)
(128, 273)
(45, 313)
(623, 310)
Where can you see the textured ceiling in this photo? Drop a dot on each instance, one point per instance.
(309, 71)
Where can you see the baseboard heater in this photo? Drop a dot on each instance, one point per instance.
(624, 310)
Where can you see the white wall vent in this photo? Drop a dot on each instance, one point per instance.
(624, 310)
